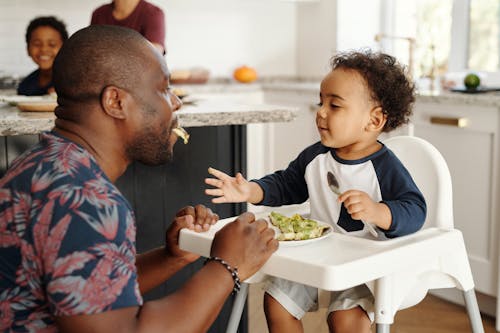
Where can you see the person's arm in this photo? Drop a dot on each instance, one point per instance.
(232, 189)
(158, 265)
(245, 244)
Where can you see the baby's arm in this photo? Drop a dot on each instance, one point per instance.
(361, 207)
(232, 189)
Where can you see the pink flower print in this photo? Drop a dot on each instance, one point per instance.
(97, 194)
(8, 238)
(54, 241)
(67, 159)
(5, 194)
(6, 313)
(30, 271)
(41, 180)
(107, 222)
(72, 262)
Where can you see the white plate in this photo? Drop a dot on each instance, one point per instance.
(291, 243)
(41, 106)
(16, 99)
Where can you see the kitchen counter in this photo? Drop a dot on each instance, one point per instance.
(201, 113)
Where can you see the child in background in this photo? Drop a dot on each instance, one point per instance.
(44, 37)
(364, 95)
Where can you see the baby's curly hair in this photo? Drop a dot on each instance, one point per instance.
(387, 81)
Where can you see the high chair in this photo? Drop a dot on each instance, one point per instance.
(399, 272)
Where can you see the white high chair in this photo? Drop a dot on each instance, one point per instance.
(450, 267)
(399, 272)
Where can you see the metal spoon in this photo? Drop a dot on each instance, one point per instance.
(333, 184)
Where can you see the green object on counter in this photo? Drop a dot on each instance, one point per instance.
(472, 81)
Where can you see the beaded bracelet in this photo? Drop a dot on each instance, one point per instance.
(233, 271)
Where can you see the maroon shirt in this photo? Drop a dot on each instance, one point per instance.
(146, 18)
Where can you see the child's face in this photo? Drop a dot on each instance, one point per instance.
(346, 110)
(43, 46)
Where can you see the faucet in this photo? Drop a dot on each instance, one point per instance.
(411, 48)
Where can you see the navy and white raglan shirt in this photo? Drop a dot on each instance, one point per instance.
(381, 175)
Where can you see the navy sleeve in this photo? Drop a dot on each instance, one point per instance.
(401, 195)
(29, 86)
(287, 187)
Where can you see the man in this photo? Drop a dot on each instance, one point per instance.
(67, 235)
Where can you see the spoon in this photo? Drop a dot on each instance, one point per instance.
(333, 184)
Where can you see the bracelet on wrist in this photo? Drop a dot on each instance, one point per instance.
(233, 271)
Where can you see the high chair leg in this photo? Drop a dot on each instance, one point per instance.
(383, 328)
(238, 305)
(473, 311)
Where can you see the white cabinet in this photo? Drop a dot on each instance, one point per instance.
(289, 139)
(273, 146)
(467, 136)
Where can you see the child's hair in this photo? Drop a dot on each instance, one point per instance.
(46, 21)
(387, 81)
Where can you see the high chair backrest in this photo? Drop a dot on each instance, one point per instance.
(431, 174)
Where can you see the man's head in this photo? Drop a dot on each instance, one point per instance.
(110, 80)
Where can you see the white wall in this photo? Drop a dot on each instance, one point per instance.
(316, 37)
(216, 34)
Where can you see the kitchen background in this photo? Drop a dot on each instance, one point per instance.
(294, 40)
(273, 36)
(291, 38)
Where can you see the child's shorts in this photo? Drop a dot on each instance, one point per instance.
(298, 299)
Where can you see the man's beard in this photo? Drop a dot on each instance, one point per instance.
(150, 148)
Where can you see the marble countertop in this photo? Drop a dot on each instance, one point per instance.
(208, 112)
(203, 113)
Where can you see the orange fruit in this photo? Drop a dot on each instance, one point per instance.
(245, 74)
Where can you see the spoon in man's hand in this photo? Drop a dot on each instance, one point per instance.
(333, 184)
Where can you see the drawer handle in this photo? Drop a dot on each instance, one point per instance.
(457, 122)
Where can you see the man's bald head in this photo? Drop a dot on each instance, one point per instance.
(96, 57)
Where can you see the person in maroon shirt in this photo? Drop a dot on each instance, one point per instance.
(140, 15)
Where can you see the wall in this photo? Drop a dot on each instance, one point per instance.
(217, 34)
(316, 37)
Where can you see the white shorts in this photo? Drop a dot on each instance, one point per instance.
(298, 299)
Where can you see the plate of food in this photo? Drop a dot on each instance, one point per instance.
(298, 230)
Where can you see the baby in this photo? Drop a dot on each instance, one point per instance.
(363, 95)
(44, 37)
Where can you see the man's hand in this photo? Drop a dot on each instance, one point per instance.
(228, 189)
(198, 218)
(245, 243)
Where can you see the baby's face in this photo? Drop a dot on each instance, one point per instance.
(43, 46)
(345, 106)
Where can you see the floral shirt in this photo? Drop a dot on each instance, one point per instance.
(67, 239)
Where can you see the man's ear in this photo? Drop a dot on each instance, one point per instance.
(113, 101)
(377, 119)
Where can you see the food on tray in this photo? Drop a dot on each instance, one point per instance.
(181, 132)
(297, 227)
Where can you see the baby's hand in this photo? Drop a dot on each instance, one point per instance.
(228, 189)
(359, 205)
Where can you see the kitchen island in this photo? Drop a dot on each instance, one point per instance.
(218, 139)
